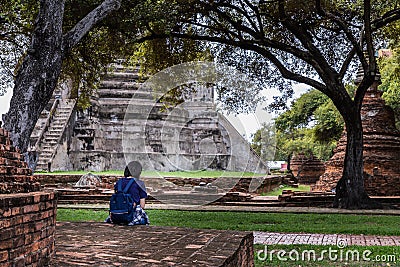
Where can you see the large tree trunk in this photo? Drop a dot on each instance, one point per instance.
(350, 190)
(38, 75)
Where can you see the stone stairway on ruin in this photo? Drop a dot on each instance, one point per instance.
(52, 135)
(117, 89)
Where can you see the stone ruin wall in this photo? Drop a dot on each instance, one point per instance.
(27, 215)
(160, 141)
(243, 185)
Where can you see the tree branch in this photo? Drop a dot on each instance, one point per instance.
(371, 70)
(238, 25)
(286, 73)
(346, 62)
(357, 45)
(387, 18)
(319, 63)
(73, 37)
(257, 14)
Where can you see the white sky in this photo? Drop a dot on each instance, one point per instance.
(5, 102)
(248, 124)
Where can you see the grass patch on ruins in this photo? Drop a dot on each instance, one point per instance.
(110, 172)
(182, 174)
(278, 191)
(247, 221)
(313, 255)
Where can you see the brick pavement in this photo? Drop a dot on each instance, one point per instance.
(324, 239)
(101, 244)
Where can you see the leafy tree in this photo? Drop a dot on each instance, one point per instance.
(15, 30)
(390, 70)
(312, 42)
(159, 54)
(328, 126)
(51, 42)
(312, 125)
(264, 142)
(301, 112)
(74, 40)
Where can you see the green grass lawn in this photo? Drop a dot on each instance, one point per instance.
(183, 174)
(278, 191)
(246, 221)
(303, 255)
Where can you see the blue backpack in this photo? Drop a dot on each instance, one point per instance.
(121, 205)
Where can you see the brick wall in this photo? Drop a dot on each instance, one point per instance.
(27, 216)
(244, 255)
(306, 168)
(27, 223)
(15, 176)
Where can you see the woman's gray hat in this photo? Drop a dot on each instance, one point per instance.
(134, 169)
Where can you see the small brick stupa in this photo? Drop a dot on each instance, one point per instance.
(307, 169)
(381, 150)
(15, 176)
(27, 215)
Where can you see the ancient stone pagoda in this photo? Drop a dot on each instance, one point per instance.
(27, 215)
(381, 150)
(306, 168)
(191, 136)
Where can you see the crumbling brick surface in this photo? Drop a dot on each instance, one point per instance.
(243, 184)
(27, 216)
(27, 224)
(306, 168)
(381, 150)
(100, 244)
(15, 176)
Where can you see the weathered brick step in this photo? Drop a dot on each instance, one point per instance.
(61, 120)
(123, 76)
(56, 127)
(50, 143)
(95, 244)
(51, 137)
(44, 158)
(46, 152)
(62, 114)
(248, 204)
(127, 88)
(47, 148)
(54, 132)
(41, 165)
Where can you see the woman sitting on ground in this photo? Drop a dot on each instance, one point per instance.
(137, 191)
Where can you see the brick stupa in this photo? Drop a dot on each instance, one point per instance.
(307, 169)
(15, 176)
(27, 215)
(381, 150)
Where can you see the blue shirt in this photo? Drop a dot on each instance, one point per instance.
(137, 189)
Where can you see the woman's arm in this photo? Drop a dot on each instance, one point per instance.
(142, 202)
